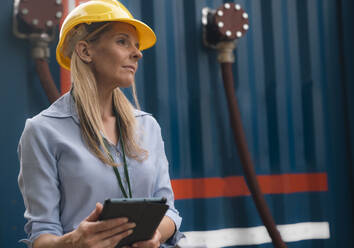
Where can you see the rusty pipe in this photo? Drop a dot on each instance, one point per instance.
(46, 80)
(222, 28)
(39, 27)
(245, 156)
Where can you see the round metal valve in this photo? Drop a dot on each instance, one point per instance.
(227, 23)
(40, 15)
(235, 21)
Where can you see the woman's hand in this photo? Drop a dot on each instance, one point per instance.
(163, 233)
(154, 242)
(90, 233)
(100, 234)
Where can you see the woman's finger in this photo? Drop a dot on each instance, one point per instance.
(114, 240)
(100, 226)
(95, 213)
(116, 230)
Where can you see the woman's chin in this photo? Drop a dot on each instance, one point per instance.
(125, 84)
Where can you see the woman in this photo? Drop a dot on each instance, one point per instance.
(91, 144)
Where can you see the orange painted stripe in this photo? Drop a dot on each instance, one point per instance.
(236, 185)
(65, 78)
(65, 11)
(78, 2)
(65, 81)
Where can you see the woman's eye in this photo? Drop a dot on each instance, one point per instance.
(122, 42)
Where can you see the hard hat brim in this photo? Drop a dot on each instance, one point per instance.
(146, 36)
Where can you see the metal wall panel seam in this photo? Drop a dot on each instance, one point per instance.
(288, 84)
(172, 83)
(270, 85)
(149, 62)
(252, 84)
(317, 74)
(280, 207)
(264, 160)
(205, 101)
(271, 88)
(295, 87)
(318, 118)
(348, 41)
(338, 176)
(193, 85)
(323, 80)
(306, 84)
(345, 92)
(333, 75)
(161, 71)
(280, 73)
(307, 90)
(135, 7)
(185, 165)
(243, 92)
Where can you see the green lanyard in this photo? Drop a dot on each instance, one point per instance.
(111, 157)
(124, 161)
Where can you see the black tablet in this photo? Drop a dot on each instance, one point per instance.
(146, 213)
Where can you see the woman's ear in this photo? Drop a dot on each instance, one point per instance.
(82, 50)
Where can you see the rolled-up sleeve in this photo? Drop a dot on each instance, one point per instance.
(163, 188)
(39, 182)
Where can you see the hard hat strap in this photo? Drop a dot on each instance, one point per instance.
(92, 34)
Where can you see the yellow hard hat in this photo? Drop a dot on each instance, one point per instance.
(101, 11)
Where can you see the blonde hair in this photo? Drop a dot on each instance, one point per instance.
(85, 95)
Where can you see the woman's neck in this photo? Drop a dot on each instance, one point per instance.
(107, 115)
(106, 103)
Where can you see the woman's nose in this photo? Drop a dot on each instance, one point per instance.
(137, 54)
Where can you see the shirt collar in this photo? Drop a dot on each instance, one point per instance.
(65, 107)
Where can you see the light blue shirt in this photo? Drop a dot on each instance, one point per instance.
(61, 180)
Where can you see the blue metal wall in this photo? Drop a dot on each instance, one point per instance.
(294, 75)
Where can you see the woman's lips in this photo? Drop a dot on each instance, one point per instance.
(130, 67)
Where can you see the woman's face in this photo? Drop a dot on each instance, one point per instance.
(115, 55)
